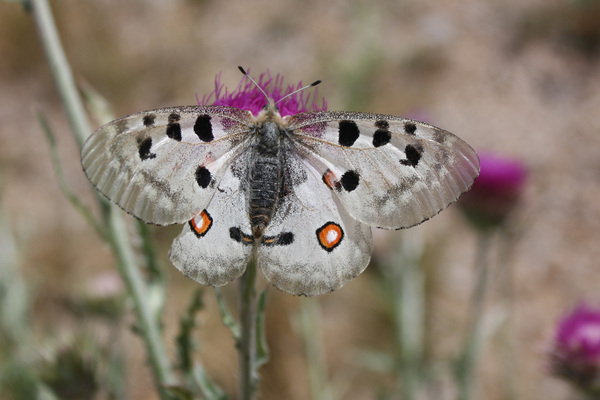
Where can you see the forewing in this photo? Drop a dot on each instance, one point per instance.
(312, 246)
(163, 165)
(206, 250)
(387, 171)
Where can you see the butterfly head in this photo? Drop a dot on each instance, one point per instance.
(270, 110)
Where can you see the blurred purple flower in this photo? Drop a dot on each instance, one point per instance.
(575, 353)
(496, 192)
(248, 97)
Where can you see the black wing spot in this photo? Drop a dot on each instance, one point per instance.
(410, 128)
(148, 120)
(350, 180)
(285, 238)
(413, 155)
(203, 128)
(382, 124)
(282, 239)
(174, 117)
(348, 132)
(381, 137)
(237, 235)
(203, 177)
(144, 147)
(174, 130)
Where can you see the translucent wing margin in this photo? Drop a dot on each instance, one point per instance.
(163, 165)
(387, 171)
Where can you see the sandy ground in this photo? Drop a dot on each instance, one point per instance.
(515, 78)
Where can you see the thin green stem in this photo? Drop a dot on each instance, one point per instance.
(404, 287)
(409, 304)
(118, 237)
(61, 70)
(310, 313)
(147, 323)
(467, 360)
(155, 272)
(510, 377)
(248, 380)
(262, 349)
(62, 182)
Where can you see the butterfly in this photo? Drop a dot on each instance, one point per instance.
(299, 193)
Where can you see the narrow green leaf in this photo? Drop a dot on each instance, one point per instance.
(179, 393)
(149, 253)
(209, 389)
(60, 177)
(98, 106)
(262, 349)
(227, 317)
(187, 323)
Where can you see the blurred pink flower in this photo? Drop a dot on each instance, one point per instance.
(575, 353)
(247, 96)
(496, 192)
(105, 285)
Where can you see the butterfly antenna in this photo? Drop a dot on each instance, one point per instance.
(315, 83)
(253, 81)
(243, 71)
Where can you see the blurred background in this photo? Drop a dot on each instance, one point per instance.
(514, 79)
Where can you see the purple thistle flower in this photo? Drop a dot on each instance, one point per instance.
(496, 192)
(576, 349)
(247, 96)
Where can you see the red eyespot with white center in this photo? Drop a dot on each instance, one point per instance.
(330, 236)
(201, 223)
(330, 180)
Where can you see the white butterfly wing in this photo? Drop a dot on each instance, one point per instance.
(163, 165)
(205, 251)
(312, 246)
(387, 171)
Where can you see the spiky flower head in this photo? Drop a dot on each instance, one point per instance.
(496, 192)
(575, 354)
(247, 96)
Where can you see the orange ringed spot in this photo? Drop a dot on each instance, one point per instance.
(201, 223)
(330, 181)
(330, 236)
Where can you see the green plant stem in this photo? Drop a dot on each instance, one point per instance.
(468, 358)
(118, 237)
(62, 182)
(248, 380)
(510, 377)
(146, 319)
(403, 281)
(310, 313)
(409, 307)
(61, 70)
